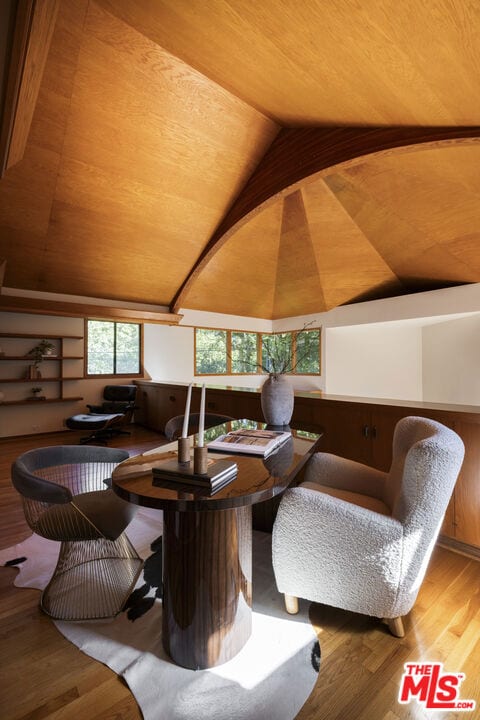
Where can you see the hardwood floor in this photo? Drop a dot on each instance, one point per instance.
(42, 675)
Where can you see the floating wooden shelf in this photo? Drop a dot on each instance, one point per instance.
(40, 402)
(39, 380)
(37, 336)
(28, 360)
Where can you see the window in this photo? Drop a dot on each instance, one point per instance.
(210, 352)
(307, 352)
(237, 352)
(244, 352)
(277, 352)
(113, 348)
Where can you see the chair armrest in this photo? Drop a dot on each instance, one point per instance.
(338, 472)
(37, 488)
(322, 541)
(313, 506)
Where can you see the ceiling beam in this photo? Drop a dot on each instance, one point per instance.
(10, 303)
(27, 42)
(297, 156)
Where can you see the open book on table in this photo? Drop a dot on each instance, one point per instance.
(255, 442)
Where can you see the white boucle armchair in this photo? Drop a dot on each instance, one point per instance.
(359, 539)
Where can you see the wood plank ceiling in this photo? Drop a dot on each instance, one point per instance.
(153, 115)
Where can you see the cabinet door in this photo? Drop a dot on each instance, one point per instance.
(145, 406)
(157, 404)
(467, 489)
(169, 402)
(141, 403)
(382, 425)
(346, 431)
(219, 402)
(247, 405)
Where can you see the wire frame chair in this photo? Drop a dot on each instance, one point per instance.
(173, 427)
(67, 497)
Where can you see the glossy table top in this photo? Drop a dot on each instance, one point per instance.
(258, 478)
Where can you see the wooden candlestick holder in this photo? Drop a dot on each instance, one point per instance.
(184, 450)
(200, 460)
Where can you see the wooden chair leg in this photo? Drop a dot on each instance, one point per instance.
(291, 604)
(395, 625)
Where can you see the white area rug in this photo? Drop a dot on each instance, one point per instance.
(271, 678)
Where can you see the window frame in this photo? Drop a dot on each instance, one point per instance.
(258, 370)
(139, 374)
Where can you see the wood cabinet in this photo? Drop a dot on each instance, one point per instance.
(15, 363)
(359, 431)
(157, 404)
(357, 428)
(465, 513)
(364, 432)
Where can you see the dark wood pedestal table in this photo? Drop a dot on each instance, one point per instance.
(207, 547)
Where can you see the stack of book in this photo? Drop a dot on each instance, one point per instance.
(219, 473)
(255, 442)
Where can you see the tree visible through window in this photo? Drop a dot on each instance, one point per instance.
(308, 352)
(277, 352)
(230, 352)
(210, 352)
(244, 352)
(113, 348)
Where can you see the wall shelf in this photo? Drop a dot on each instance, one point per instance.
(37, 380)
(28, 358)
(40, 402)
(37, 336)
(17, 352)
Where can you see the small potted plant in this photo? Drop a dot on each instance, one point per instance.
(37, 354)
(47, 347)
(35, 393)
(44, 347)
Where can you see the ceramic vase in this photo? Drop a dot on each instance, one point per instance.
(277, 400)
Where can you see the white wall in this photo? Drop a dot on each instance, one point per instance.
(438, 304)
(451, 361)
(382, 360)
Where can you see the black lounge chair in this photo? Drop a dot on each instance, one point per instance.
(108, 419)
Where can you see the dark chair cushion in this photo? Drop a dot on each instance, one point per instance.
(116, 393)
(112, 406)
(99, 514)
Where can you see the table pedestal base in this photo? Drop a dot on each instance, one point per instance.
(207, 585)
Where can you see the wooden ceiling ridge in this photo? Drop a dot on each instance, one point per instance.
(297, 156)
(28, 38)
(34, 306)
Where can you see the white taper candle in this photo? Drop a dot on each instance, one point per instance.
(187, 412)
(201, 422)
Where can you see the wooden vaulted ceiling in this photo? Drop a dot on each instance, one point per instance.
(266, 159)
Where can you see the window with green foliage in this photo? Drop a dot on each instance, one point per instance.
(277, 353)
(244, 352)
(307, 352)
(113, 348)
(230, 352)
(210, 352)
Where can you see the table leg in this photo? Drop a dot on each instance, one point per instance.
(207, 585)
